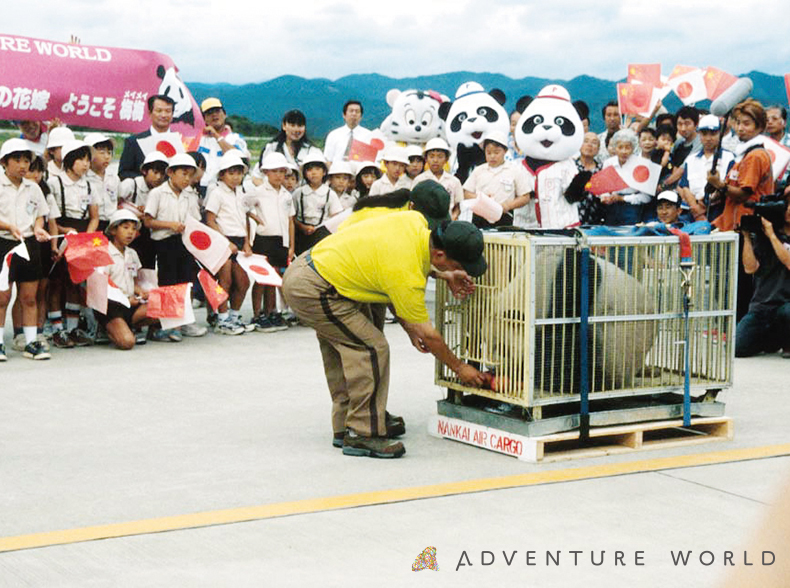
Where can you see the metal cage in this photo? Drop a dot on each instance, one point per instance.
(523, 322)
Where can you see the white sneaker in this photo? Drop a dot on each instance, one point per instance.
(228, 327)
(193, 330)
(19, 342)
(41, 338)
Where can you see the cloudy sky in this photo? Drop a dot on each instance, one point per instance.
(246, 41)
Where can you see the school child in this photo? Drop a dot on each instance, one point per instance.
(395, 161)
(22, 212)
(133, 196)
(274, 238)
(291, 181)
(437, 153)
(200, 162)
(58, 137)
(315, 202)
(166, 212)
(120, 321)
(416, 163)
(75, 208)
(367, 173)
(340, 178)
(103, 183)
(507, 183)
(226, 212)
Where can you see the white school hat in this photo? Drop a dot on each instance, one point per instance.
(274, 160)
(497, 137)
(414, 151)
(395, 153)
(59, 136)
(341, 167)
(15, 146)
(122, 215)
(230, 159)
(317, 158)
(154, 156)
(437, 144)
(70, 146)
(182, 160)
(94, 139)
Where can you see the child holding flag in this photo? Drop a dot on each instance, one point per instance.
(226, 212)
(22, 212)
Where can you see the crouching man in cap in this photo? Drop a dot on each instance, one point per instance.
(386, 259)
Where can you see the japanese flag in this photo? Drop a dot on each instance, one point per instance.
(637, 98)
(717, 81)
(167, 143)
(172, 305)
(100, 289)
(5, 271)
(209, 247)
(641, 174)
(259, 269)
(780, 156)
(689, 85)
(645, 73)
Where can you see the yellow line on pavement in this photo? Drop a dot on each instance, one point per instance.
(314, 505)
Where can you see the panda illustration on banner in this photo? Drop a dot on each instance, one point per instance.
(549, 133)
(471, 115)
(172, 87)
(414, 119)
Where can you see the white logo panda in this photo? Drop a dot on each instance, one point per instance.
(550, 129)
(472, 114)
(414, 118)
(175, 89)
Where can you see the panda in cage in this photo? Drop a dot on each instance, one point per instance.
(467, 119)
(616, 351)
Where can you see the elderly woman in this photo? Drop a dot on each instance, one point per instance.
(591, 209)
(625, 206)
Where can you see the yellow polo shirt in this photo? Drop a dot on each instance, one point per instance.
(369, 213)
(383, 259)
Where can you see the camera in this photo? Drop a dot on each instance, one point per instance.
(773, 212)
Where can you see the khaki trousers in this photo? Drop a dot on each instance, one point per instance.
(354, 351)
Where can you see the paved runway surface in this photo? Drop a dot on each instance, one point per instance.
(170, 446)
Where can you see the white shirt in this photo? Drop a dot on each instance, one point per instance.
(696, 168)
(211, 150)
(165, 205)
(338, 141)
(502, 183)
(448, 181)
(75, 199)
(134, 191)
(106, 189)
(315, 206)
(230, 208)
(550, 182)
(20, 206)
(275, 208)
(124, 268)
(384, 186)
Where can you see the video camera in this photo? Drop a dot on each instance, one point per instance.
(773, 212)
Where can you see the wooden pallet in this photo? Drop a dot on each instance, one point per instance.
(603, 440)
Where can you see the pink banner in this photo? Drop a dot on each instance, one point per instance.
(96, 87)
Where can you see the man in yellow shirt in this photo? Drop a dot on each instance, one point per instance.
(386, 259)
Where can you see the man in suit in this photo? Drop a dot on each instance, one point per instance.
(160, 111)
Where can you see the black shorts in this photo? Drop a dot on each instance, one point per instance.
(145, 248)
(238, 242)
(78, 224)
(45, 253)
(114, 310)
(272, 248)
(305, 242)
(21, 269)
(481, 223)
(175, 264)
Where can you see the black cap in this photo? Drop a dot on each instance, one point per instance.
(463, 242)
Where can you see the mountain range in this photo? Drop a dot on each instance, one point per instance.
(322, 100)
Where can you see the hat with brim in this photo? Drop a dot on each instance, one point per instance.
(94, 139)
(230, 159)
(314, 160)
(210, 104)
(59, 136)
(709, 122)
(497, 137)
(119, 216)
(432, 200)
(15, 146)
(154, 157)
(395, 153)
(340, 167)
(463, 242)
(437, 144)
(182, 160)
(669, 196)
(71, 146)
(274, 160)
(414, 151)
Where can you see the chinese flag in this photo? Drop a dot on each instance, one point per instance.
(645, 73)
(638, 173)
(209, 247)
(606, 180)
(787, 86)
(359, 151)
(215, 294)
(717, 81)
(167, 302)
(636, 98)
(84, 252)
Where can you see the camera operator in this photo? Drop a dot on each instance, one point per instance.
(766, 326)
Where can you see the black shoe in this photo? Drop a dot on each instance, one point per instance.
(396, 426)
(35, 350)
(380, 447)
(337, 439)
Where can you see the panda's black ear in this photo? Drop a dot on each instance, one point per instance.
(444, 110)
(160, 72)
(523, 102)
(498, 95)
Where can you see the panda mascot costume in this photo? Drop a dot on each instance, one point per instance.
(414, 119)
(549, 132)
(473, 114)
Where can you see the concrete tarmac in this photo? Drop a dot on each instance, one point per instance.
(230, 429)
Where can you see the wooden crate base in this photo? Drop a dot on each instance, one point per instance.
(603, 440)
